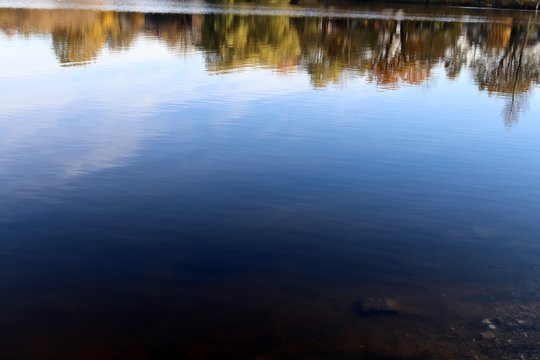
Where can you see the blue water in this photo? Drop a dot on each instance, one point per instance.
(210, 185)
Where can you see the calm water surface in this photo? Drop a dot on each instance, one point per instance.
(206, 180)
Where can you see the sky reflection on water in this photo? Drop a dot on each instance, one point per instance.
(203, 184)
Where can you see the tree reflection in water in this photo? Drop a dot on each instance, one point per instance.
(503, 57)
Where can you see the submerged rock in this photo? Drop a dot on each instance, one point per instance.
(376, 307)
(490, 323)
(487, 335)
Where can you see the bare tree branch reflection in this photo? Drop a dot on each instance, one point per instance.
(503, 56)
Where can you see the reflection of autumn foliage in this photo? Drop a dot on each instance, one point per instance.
(83, 43)
(177, 31)
(235, 41)
(504, 56)
(498, 35)
(78, 36)
(513, 67)
(389, 74)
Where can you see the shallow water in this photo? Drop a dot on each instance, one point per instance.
(267, 180)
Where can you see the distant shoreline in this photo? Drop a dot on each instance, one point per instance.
(484, 4)
(490, 4)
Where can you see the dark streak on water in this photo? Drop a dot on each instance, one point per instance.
(267, 185)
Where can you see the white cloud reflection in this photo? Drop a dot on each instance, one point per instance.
(59, 123)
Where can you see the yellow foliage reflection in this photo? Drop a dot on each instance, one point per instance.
(503, 56)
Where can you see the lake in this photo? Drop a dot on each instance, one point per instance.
(268, 180)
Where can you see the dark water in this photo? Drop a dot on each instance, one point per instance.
(198, 180)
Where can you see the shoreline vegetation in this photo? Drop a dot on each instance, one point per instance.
(529, 5)
(486, 4)
(501, 57)
(493, 4)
